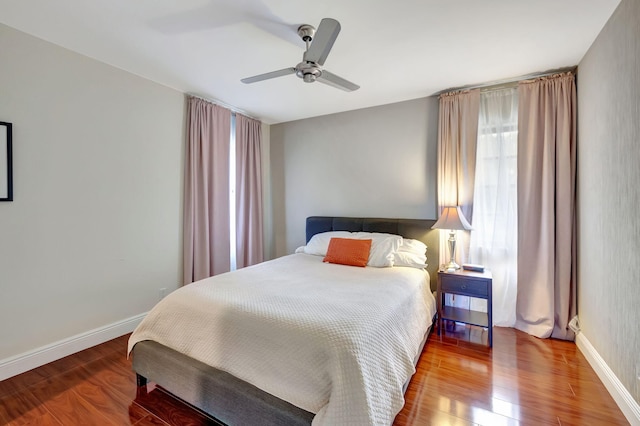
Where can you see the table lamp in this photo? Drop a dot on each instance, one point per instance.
(452, 219)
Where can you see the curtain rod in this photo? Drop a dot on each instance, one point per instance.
(505, 82)
(222, 104)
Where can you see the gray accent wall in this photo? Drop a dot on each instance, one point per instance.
(95, 228)
(373, 162)
(609, 194)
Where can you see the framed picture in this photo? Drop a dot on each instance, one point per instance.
(6, 169)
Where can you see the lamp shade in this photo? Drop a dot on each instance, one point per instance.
(451, 218)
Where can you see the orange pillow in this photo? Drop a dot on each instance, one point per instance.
(348, 251)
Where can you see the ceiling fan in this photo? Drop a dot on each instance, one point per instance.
(319, 44)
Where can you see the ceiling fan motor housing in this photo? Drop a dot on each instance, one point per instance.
(308, 71)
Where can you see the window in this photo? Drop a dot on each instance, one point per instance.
(494, 240)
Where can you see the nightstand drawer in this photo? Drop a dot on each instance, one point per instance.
(469, 287)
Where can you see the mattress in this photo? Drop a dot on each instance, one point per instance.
(334, 340)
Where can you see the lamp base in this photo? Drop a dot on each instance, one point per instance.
(451, 265)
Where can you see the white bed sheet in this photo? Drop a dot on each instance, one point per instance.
(335, 340)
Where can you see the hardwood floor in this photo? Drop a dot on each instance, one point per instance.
(521, 381)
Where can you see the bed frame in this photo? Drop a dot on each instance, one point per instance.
(233, 401)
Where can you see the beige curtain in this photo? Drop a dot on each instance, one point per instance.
(249, 237)
(206, 190)
(457, 139)
(546, 206)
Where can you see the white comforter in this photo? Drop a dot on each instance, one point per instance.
(335, 340)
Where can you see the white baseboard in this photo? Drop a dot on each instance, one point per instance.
(629, 406)
(15, 365)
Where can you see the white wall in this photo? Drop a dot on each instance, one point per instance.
(95, 226)
(373, 162)
(609, 195)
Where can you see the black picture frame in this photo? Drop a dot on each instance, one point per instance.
(6, 162)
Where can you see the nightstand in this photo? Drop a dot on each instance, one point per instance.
(466, 283)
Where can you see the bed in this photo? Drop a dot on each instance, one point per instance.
(291, 361)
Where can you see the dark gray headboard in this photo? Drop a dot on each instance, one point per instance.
(418, 229)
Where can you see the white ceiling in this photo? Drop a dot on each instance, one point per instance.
(395, 50)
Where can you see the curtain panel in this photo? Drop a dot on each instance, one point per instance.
(249, 207)
(546, 299)
(494, 239)
(457, 138)
(206, 190)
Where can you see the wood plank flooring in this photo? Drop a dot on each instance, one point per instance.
(521, 381)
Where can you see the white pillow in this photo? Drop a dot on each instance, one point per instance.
(383, 246)
(411, 260)
(411, 253)
(319, 243)
(413, 246)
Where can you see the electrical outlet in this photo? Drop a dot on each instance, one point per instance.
(162, 293)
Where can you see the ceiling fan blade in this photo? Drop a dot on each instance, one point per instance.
(338, 82)
(266, 76)
(323, 40)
